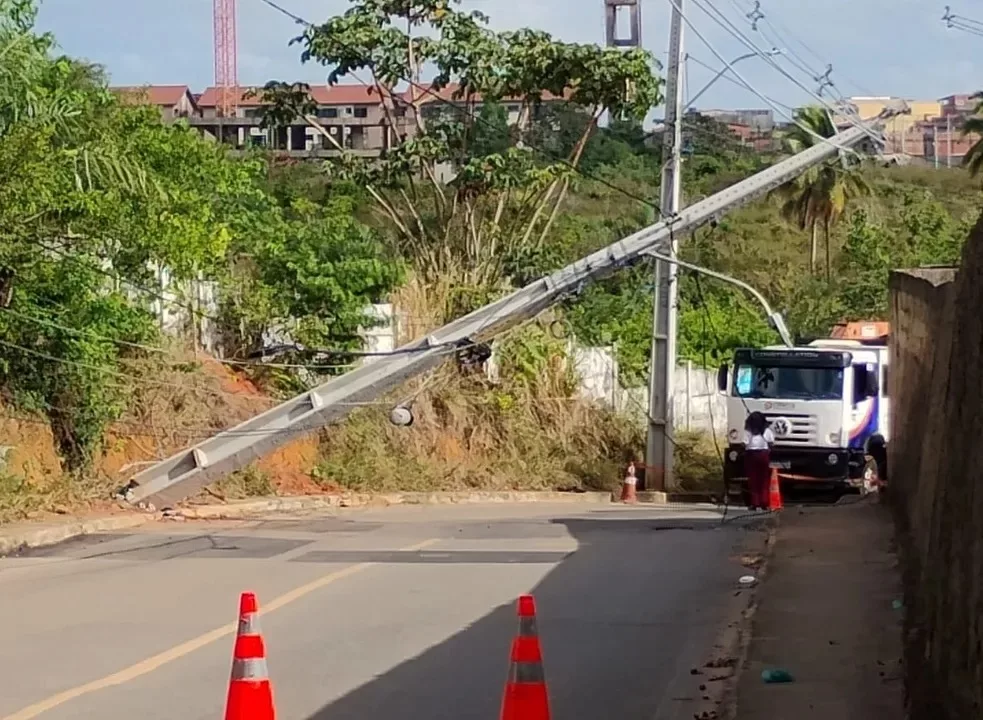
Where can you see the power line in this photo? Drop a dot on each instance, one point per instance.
(205, 316)
(476, 118)
(750, 87)
(961, 22)
(116, 373)
(729, 26)
(757, 16)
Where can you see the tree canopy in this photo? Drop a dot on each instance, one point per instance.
(97, 194)
(466, 192)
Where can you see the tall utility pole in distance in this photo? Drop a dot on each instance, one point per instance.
(226, 61)
(948, 140)
(659, 444)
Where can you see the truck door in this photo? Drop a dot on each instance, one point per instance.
(865, 406)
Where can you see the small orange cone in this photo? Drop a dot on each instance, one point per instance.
(628, 494)
(775, 492)
(526, 697)
(250, 693)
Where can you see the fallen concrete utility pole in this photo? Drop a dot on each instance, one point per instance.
(180, 476)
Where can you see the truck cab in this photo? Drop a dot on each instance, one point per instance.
(827, 405)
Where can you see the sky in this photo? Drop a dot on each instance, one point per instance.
(876, 47)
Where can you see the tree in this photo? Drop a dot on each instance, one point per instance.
(974, 126)
(97, 195)
(504, 198)
(820, 195)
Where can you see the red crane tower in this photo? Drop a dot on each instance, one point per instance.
(226, 66)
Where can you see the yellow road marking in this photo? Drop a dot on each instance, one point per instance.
(178, 651)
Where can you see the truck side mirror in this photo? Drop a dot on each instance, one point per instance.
(871, 383)
(722, 372)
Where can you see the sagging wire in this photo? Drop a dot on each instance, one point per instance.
(825, 81)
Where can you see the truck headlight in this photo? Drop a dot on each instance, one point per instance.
(833, 459)
(732, 455)
(733, 435)
(834, 438)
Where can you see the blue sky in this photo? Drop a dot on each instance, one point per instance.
(881, 47)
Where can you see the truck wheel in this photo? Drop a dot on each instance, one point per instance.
(870, 482)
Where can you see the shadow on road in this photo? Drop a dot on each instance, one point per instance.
(622, 622)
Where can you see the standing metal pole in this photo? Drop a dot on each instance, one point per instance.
(659, 447)
(948, 140)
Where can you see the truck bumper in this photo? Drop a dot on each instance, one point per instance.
(803, 469)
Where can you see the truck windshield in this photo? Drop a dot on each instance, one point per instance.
(758, 381)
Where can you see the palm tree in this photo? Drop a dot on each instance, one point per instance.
(974, 124)
(820, 195)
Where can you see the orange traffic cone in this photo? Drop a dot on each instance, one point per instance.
(774, 492)
(526, 697)
(628, 487)
(250, 693)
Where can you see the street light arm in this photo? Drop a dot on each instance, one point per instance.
(659, 127)
(776, 319)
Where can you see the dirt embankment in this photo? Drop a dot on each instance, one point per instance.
(182, 409)
(468, 434)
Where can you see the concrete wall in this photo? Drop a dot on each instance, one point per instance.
(936, 485)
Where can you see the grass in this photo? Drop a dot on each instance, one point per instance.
(249, 482)
(469, 433)
(22, 499)
(698, 466)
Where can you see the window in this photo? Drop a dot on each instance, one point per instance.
(327, 112)
(513, 108)
(884, 380)
(361, 112)
(815, 383)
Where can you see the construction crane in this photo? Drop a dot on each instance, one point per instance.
(180, 476)
(226, 60)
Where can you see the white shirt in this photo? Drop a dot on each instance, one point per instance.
(759, 442)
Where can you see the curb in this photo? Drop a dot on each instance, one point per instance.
(744, 630)
(245, 508)
(657, 497)
(32, 537)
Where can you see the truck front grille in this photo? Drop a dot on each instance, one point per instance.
(804, 429)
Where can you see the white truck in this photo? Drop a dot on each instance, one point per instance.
(828, 408)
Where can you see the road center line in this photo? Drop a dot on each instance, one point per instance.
(178, 651)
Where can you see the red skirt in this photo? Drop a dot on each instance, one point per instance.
(757, 467)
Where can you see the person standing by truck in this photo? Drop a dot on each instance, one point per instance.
(758, 439)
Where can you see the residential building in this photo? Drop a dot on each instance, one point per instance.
(944, 142)
(760, 121)
(174, 101)
(961, 105)
(758, 140)
(355, 117)
(449, 97)
(903, 134)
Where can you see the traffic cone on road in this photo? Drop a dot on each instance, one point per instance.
(628, 494)
(774, 492)
(526, 697)
(250, 693)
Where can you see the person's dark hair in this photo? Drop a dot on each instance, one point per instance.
(756, 423)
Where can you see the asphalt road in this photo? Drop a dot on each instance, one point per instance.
(389, 614)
